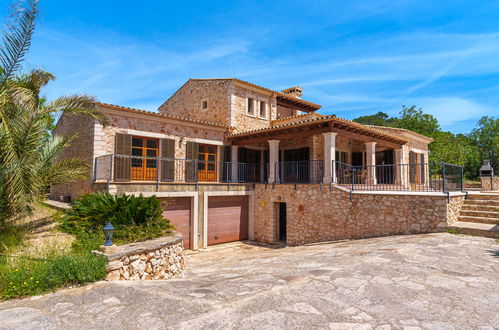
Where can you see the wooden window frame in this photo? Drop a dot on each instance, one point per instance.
(145, 173)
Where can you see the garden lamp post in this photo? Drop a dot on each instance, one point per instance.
(108, 231)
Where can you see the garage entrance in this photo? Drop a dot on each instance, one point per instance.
(178, 211)
(227, 219)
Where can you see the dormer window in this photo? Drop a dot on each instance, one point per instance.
(250, 106)
(262, 109)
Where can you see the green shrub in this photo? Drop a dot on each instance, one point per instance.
(27, 277)
(135, 218)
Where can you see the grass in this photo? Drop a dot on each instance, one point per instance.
(42, 259)
(11, 237)
(454, 231)
(29, 276)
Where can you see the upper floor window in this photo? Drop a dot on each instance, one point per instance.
(262, 109)
(250, 106)
(204, 104)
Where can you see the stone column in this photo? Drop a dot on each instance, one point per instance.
(234, 165)
(273, 159)
(329, 157)
(426, 166)
(399, 169)
(371, 161)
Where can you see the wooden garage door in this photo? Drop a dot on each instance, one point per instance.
(178, 211)
(227, 219)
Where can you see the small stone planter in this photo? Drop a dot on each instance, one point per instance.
(156, 259)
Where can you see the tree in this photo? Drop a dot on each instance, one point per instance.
(485, 137)
(417, 121)
(28, 160)
(379, 119)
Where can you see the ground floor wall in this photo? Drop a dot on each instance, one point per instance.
(200, 197)
(314, 214)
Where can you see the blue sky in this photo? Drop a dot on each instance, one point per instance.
(353, 57)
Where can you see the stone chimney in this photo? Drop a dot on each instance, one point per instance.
(295, 91)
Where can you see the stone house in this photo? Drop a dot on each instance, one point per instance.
(233, 161)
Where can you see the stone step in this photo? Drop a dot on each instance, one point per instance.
(484, 214)
(481, 202)
(466, 218)
(477, 229)
(490, 196)
(467, 206)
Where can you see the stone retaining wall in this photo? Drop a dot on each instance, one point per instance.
(157, 259)
(490, 184)
(315, 214)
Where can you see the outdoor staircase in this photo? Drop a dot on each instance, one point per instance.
(479, 216)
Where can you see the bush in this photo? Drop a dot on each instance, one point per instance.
(134, 218)
(27, 277)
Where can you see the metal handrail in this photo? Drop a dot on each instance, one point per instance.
(431, 176)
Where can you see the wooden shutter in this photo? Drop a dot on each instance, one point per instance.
(191, 156)
(167, 160)
(412, 167)
(122, 160)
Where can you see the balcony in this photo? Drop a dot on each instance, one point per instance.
(425, 177)
(124, 168)
(422, 177)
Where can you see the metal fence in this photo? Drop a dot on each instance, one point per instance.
(305, 171)
(125, 168)
(400, 177)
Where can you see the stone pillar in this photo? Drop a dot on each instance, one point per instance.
(329, 157)
(399, 168)
(234, 165)
(273, 159)
(371, 161)
(426, 166)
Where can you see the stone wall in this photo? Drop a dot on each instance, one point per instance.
(81, 147)
(315, 214)
(490, 184)
(187, 101)
(453, 208)
(157, 259)
(152, 127)
(240, 120)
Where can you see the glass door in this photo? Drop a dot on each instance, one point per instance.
(207, 163)
(144, 153)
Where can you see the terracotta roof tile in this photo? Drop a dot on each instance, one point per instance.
(322, 118)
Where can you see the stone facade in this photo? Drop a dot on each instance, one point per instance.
(490, 183)
(158, 259)
(315, 214)
(82, 127)
(188, 100)
(146, 126)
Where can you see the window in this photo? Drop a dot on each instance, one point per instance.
(204, 105)
(143, 162)
(250, 106)
(262, 110)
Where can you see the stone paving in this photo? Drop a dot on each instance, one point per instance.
(434, 281)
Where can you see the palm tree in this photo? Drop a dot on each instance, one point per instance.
(28, 160)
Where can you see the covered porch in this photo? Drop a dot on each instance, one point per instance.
(331, 150)
(309, 150)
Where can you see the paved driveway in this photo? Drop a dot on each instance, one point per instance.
(435, 281)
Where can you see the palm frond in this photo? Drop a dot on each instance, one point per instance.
(76, 104)
(17, 38)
